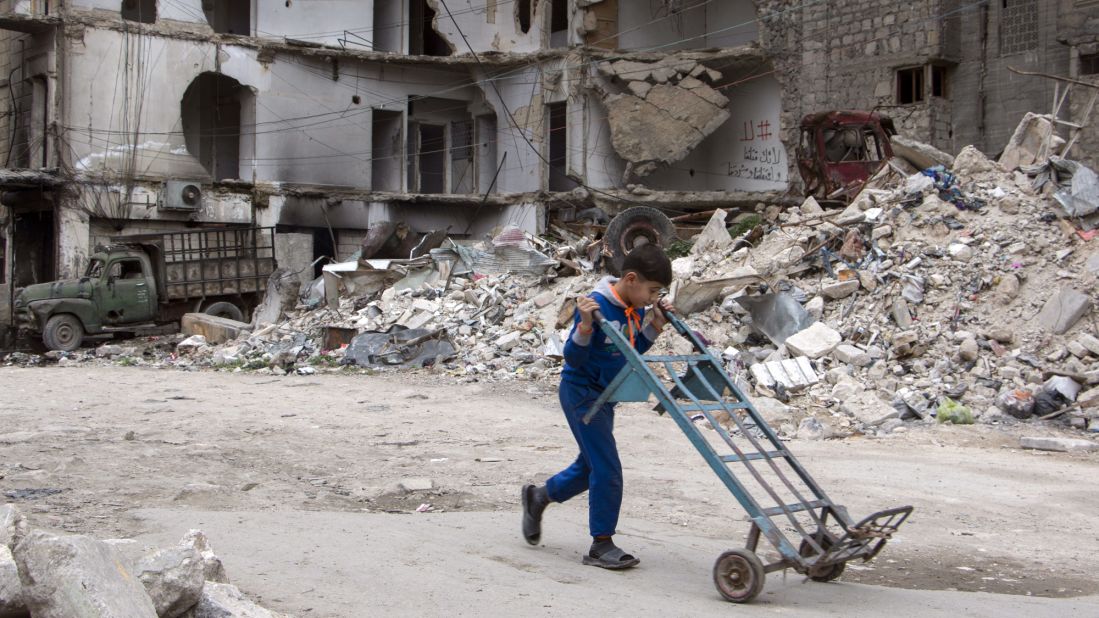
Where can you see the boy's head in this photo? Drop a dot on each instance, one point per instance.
(645, 272)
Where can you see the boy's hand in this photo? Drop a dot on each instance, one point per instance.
(586, 306)
(660, 319)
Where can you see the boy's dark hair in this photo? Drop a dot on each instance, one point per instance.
(650, 263)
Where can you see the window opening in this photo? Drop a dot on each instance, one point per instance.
(386, 152)
(938, 81)
(229, 17)
(525, 11)
(462, 173)
(424, 40)
(1089, 64)
(432, 158)
(143, 11)
(559, 148)
(910, 85)
(211, 122)
(559, 23)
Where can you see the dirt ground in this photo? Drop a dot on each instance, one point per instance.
(266, 461)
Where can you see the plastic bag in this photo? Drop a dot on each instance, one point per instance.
(951, 411)
(1017, 402)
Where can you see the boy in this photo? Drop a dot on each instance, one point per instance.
(591, 362)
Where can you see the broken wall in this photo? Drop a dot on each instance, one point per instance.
(493, 25)
(744, 154)
(518, 90)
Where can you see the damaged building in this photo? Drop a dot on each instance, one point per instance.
(326, 119)
(949, 72)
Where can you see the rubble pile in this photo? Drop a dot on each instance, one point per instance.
(48, 575)
(955, 296)
(941, 294)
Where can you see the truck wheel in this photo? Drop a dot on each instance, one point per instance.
(225, 310)
(633, 228)
(63, 332)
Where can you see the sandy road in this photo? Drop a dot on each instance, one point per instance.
(296, 480)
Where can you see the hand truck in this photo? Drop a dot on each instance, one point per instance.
(777, 503)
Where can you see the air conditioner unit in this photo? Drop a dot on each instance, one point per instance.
(181, 195)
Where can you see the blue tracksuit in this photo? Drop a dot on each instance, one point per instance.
(591, 362)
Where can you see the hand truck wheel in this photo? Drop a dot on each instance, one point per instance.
(739, 575)
(823, 573)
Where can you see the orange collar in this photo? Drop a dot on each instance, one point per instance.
(633, 319)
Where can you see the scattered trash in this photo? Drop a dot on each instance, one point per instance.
(950, 411)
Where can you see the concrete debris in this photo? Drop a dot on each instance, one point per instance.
(1060, 445)
(227, 601)
(793, 374)
(815, 341)
(1028, 144)
(72, 576)
(173, 578)
(212, 568)
(1063, 310)
(215, 329)
(664, 111)
(11, 589)
(13, 527)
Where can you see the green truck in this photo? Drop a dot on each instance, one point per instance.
(143, 283)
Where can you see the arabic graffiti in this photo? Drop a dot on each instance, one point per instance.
(762, 156)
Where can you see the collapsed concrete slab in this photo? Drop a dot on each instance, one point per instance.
(216, 330)
(665, 112)
(75, 576)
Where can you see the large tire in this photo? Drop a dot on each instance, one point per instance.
(225, 310)
(63, 332)
(632, 228)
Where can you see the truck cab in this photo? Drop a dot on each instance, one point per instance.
(118, 289)
(839, 151)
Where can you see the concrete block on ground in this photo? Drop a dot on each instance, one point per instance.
(773, 411)
(815, 341)
(1063, 310)
(1060, 445)
(846, 353)
(217, 330)
(74, 576)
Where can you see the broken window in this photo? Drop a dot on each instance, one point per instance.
(1089, 64)
(386, 152)
(910, 86)
(847, 144)
(1018, 26)
(126, 269)
(559, 23)
(143, 11)
(558, 139)
(212, 107)
(524, 11)
(423, 40)
(938, 81)
(462, 172)
(229, 17)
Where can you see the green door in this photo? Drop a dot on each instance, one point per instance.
(125, 297)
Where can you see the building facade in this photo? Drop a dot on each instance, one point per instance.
(324, 117)
(942, 69)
